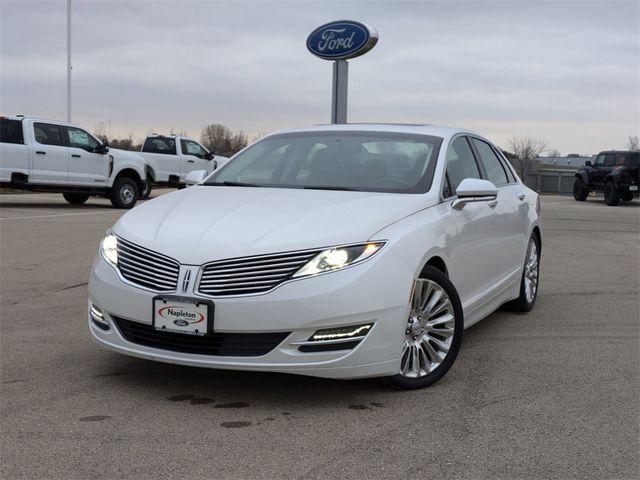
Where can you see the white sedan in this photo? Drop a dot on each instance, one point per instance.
(341, 251)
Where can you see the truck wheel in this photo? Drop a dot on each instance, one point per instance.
(147, 190)
(627, 196)
(75, 198)
(611, 194)
(580, 193)
(124, 193)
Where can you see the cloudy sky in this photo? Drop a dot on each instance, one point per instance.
(567, 72)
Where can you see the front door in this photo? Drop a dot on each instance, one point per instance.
(86, 167)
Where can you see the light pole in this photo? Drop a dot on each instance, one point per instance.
(69, 61)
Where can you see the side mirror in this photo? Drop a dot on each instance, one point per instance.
(587, 163)
(103, 148)
(208, 156)
(475, 190)
(195, 176)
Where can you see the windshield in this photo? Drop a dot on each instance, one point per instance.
(362, 161)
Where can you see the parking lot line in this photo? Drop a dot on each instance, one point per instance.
(58, 215)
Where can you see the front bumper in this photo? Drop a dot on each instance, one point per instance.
(376, 291)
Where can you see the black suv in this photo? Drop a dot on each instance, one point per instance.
(614, 172)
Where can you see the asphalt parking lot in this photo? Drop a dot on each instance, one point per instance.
(550, 394)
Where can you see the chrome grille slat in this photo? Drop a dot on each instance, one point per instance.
(153, 278)
(144, 253)
(251, 275)
(147, 268)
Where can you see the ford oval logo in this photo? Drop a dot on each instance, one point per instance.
(342, 40)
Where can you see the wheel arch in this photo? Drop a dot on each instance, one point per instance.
(536, 231)
(131, 173)
(438, 263)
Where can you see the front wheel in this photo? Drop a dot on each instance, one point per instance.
(433, 333)
(611, 194)
(530, 278)
(75, 198)
(124, 193)
(580, 193)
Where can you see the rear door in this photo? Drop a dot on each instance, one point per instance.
(193, 157)
(86, 167)
(165, 156)
(49, 153)
(14, 153)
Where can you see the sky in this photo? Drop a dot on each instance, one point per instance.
(566, 72)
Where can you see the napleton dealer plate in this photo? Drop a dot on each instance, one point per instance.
(182, 315)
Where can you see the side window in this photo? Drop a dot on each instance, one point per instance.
(160, 145)
(80, 139)
(11, 131)
(610, 160)
(192, 148)
(493, 167)
(460, 163)
(599, 161)
(48, 134)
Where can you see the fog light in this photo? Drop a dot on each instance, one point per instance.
(341, 333)
(97, 316)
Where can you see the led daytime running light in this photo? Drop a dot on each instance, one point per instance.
(339, 333)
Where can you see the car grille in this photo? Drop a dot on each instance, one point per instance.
(147, 268)
(258, 274)
(219, 344)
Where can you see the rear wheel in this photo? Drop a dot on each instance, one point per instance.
(611, 194)
(529, 280)
(146, 191)
(75, 198)
(433, 332)
(124, 193)
(580, 193)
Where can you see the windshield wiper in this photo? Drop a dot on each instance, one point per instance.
(234, 184)
(318, 187)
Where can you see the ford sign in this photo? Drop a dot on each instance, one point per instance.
(342, 40)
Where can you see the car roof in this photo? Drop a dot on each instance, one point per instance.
(420, 129)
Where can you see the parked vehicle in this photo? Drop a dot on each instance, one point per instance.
(614, 172)
(171, 157)
(340, 251)
(53, 156)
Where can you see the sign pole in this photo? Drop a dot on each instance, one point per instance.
(68, 60)
(340, 89)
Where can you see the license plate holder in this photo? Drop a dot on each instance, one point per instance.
(633, 188)
(184, 315)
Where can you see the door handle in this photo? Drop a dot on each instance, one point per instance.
(191, 161)
(75, 155)
(40, 152)
(492, 203)
(521, 196)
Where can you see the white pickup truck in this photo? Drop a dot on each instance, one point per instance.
(171, 157)
(53, 156)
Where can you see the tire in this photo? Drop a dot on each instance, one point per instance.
(147, 190)
(627, 196)
(580, 193)
(124, 193)
(611, 194)
(75, 198)
(530, 280)
(433, 333)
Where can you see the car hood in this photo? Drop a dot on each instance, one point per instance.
(205, 223)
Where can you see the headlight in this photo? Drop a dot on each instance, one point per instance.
(339, 257)
(109, 248)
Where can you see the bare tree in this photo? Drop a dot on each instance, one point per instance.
(633, 144)
(526, 150)
(554, 153)
(222, 141)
